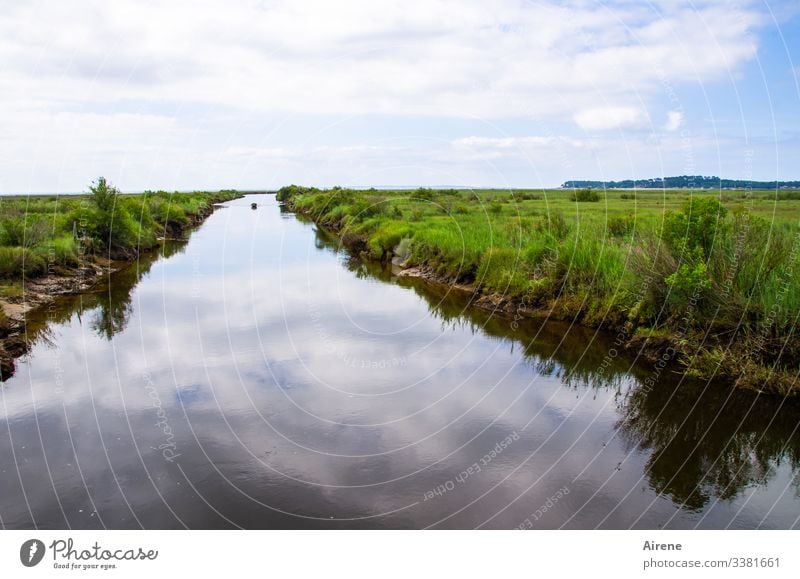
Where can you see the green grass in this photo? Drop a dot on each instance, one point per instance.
(727, 259)
(38, 233)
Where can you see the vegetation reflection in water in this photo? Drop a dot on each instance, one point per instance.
(706, 441)
(107, 307)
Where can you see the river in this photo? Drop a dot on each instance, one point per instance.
(257, 376)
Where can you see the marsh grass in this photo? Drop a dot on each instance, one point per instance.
(730, 261)
(38, 233)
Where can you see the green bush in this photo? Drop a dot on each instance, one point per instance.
(690, 280)
(164, 211)
(584, 195)
(23, 230)
(61, 250)
(16, 262)
(556, 224)
(620, 226)
(387, 237)
(540, 250)
(696, 226)
(423, 193)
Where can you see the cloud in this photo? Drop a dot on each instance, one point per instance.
(674, 121)
(519, 147)
(605, 118)
(443, 57)
(203, 76)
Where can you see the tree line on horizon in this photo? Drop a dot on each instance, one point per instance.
(681, 182)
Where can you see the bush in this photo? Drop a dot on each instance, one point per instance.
(556, 224)
(540, 250)
(290, 191)
(23, 231)
(61, 250)
(18, 262)
(363, 209)
(387, 237)
(695, 226)
(620, 226)
(424, 193)
(164, 211)
(584, 195)
(687, 282)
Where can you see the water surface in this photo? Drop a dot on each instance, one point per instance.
(256, 376)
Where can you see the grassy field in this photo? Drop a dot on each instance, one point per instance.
(42, 234)
(714, 274)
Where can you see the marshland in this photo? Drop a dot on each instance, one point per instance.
(708, 280)
(407, 359)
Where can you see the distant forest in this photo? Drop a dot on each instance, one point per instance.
(684, 181)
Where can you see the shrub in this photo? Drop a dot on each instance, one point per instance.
(620, 226)
(540, 250)
(387, 237)
(290, 191)
(556, 224)
(23, 231)
(424, 193)
(362, 209)
(103, 195)
(584, 195)
(61, 250)
(688, 281)
(18, 262)
(696, 226)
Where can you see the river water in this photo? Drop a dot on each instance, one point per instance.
(256, 376)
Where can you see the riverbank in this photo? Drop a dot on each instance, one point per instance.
(53, 247)
(689, 279)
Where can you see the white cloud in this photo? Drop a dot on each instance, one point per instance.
(605, 118)
(201, 72)
(444, 57)
(510, 147)
(674, 121)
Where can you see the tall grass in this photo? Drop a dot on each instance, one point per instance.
(693, 263)
(39, 233)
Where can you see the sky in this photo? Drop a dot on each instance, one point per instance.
(187, 95)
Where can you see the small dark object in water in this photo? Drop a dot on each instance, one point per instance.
(254, 206)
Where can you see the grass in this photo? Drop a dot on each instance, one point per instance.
(718, 261)
(39, 233)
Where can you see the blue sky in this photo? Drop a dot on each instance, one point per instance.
(258, 94)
